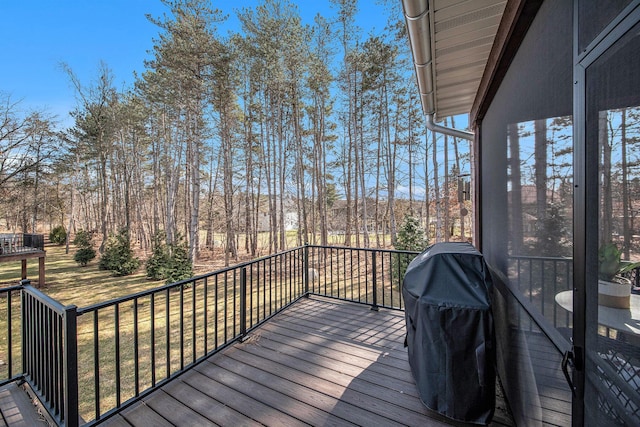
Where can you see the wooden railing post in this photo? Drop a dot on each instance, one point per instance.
(374, 306)
(243, 303)
(70, 366)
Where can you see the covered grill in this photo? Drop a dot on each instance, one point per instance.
(450, 339)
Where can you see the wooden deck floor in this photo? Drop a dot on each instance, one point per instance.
(17, 409)
(319, 362)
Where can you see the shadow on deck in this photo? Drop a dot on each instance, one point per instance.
(320, 362)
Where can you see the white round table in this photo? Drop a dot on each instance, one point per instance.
(623, 319)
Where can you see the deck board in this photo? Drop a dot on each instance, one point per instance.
(16, 408)
(273, 359)
(327, 356)
(242, 404)
(333, 399)
(141, 415)
(279, 397)
(320, 362)
(324, 380)
(169, 407)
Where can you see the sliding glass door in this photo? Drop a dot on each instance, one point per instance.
(608, 303)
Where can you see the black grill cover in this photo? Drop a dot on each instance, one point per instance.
(446, 290)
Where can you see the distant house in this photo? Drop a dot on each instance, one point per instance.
(291, 221)
(529, 199)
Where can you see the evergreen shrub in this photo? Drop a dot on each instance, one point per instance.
(118, 256)
(85, 252)
(411, 237)
(58, 236)
(169, 262)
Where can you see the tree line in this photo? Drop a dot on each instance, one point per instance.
(236, 140)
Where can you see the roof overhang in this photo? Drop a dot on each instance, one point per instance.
(451, 41)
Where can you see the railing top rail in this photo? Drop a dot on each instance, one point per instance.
(351, 248)
(540, 258)
(131, 297)
(11, 289)
(55, 305)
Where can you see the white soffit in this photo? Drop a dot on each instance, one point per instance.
(450, 51)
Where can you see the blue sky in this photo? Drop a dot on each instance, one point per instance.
(37, 35)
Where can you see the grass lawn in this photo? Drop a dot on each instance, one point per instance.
(69, 283)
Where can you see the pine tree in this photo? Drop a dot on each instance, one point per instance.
(169, 262)
(118, 256)
(58, 235)
(85, 251)
(411, 237)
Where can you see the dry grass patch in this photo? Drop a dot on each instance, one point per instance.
(69, 283)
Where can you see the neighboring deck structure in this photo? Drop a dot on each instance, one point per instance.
(21, 247)
(319, 362)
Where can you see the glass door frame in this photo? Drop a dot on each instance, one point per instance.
(587, 202)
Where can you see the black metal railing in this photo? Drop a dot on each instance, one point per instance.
(132, 345)
(367, 276)
(34, 241)
(91, 362)
(49, 352)
(540, 279)
(39, 344)
(10, 334)
(20, 243)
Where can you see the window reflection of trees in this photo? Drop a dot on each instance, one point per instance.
(540, 175)
(619, 136)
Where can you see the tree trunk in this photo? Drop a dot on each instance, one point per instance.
(516, 231)
(447, 189)
(436, 191)
(461, 208)
(194, 135)
(626, 214)
(391, 168)
(427, 217)
(541, 176)
(606, 190)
